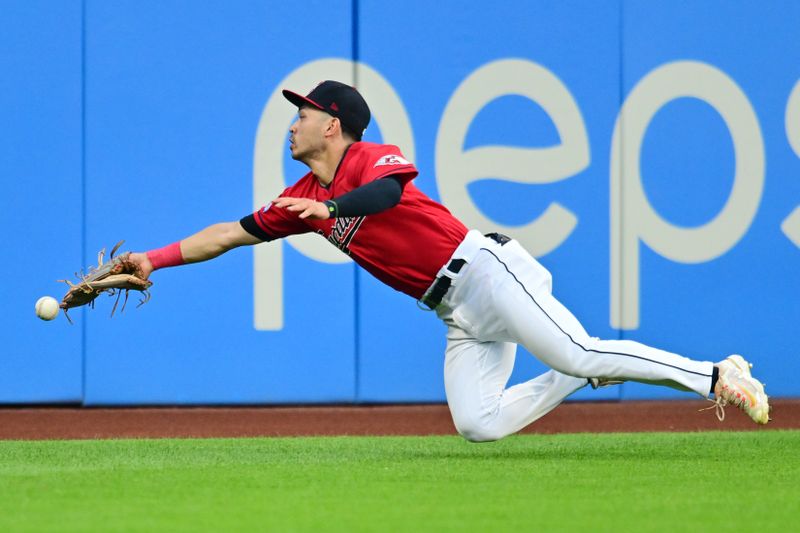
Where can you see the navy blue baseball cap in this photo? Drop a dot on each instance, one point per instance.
(338, 100)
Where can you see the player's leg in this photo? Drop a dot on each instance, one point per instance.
(554, 335)
(505, 295)
(476, 374)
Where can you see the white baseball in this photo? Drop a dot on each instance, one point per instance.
(47, 308)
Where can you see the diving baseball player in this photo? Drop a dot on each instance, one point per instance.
(488, 290)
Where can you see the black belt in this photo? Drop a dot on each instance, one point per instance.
(442, 284)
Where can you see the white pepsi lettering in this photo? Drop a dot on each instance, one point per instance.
(455, 168)
(633, 218)
(791, 224)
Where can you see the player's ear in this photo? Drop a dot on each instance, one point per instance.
(334, 125)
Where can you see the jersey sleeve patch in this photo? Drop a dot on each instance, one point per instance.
(391, 160)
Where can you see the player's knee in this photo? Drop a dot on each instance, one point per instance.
(476, 432)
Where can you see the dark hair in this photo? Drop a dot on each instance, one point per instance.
(350, 133)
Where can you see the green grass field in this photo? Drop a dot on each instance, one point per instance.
(612, 482)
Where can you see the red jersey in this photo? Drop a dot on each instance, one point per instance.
(403, 246)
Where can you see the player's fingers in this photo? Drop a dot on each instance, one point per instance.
(296, 205)
(283, 202)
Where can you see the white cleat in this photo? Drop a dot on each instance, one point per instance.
(738, 387)
(736, 361)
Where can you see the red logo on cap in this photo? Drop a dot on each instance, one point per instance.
(334, 106)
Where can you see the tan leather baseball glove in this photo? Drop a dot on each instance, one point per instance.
(114, 277)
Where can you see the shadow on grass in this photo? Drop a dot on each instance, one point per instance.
(656, 447)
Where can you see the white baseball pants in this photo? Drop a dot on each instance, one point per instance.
(501, 298)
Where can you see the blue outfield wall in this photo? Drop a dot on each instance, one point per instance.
(42, 205)
(648, 154)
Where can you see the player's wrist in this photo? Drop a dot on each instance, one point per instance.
(332, 208)
(143, 264)
(167, 256)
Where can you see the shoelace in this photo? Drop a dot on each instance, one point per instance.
(720, 401)
(719, 405)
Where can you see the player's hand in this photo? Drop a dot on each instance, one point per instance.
(143, 263)
(306, 207)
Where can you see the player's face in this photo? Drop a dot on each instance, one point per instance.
(307, 134)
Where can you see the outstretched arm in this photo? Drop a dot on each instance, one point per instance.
(207, 244)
